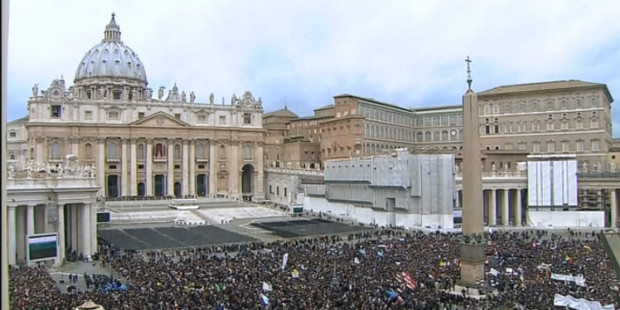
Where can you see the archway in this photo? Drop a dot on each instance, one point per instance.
(246, 181)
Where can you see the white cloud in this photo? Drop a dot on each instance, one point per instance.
(404, 52)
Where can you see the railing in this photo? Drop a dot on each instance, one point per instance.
(600, 175)
(501, 174)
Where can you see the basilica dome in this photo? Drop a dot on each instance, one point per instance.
(111, 59)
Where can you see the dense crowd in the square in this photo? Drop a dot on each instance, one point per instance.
(358, 271)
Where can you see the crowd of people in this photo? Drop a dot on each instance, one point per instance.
(375, 269)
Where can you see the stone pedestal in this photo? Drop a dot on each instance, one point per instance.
(472, 264)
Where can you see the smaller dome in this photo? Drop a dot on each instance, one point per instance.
(111, 58)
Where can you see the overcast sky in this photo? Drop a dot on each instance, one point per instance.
(302, 53)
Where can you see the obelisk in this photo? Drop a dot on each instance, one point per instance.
(473, 242)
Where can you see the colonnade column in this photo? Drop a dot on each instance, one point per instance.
(93, 228)
(101, 166)
(12, 235)
(192, 167)
(124, 169)
(505, 207)
(133, 179)
(170, 177)
(85, 232)
(60, 227)
(492, 208)
(614, 208)
(148, 182)
(518, 211)
(212, 169)
(185, 188)
(457, 199)
(30, 220)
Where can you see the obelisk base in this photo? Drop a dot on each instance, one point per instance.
(472, 265)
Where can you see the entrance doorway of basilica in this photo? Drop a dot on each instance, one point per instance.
(160, 185)
(246, 182)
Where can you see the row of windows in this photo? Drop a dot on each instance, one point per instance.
(521, 106)
(277, 191)
(391, 133)
(452, 119)
(551, 146)
(159, 151)
(56, 112)
(537, 125)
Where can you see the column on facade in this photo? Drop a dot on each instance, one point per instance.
(505, 207)
(170, 177)
(212, 168)
(85, 230)
(259, 189)
(192, 167)
(599, 199)
(30, 220)
(148, 183)
(457, 199)
(133, 169)
(101, 166)
(518, 211)
(39, 147)
(493, 207)
(235, 170)
(60, 228)
(75, 146)
(614, 208)
(12, 235)
(74, 227)
(124, 169)
(185, 188)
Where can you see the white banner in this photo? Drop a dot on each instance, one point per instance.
(579, 304)
(284, 260)
(579, 279)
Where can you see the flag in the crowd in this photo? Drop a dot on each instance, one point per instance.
(494, 272)
(587, 247)
(431, 277)
(267, 287)
(356, 261)
(379, 254)
(295, 273)
(393, 296)
(284, 260)
(406, 279)
(265, 300)
(363, 252)
(303, 267)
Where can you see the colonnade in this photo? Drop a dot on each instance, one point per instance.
(75, 224)
(501, 206)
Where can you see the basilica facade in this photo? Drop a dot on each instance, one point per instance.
(141, 144)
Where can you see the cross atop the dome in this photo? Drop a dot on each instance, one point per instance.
(469, 80)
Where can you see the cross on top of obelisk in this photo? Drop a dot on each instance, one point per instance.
(469, 80)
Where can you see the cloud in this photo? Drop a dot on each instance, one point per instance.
(409, 53)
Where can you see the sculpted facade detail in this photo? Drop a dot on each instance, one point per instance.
(139, 146)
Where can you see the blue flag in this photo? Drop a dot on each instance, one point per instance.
(265, 300)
